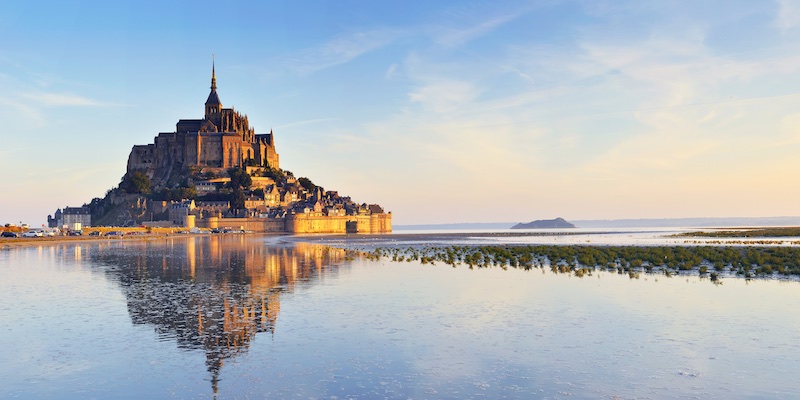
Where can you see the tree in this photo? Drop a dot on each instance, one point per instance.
(237, 199)
(307, 184)
(185, 192)
(175, 194)
(277, 175)
(239, 178)
(136, 182)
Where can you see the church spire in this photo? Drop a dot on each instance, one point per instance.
(213, 105)
(213, 75)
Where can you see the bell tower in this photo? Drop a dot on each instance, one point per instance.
(213, 105)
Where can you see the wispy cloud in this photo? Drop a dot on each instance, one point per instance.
(453, 37)
(305, 122)
(31, 115)
(444, 96)
(788, 14)
(342, 49)
(391, 71)
(61, 99)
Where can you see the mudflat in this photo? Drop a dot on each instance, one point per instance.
(6, 243)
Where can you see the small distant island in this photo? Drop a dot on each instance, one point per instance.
(557, 223)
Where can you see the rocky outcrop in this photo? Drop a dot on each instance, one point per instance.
(557, 223)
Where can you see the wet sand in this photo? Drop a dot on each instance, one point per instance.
(7, 243)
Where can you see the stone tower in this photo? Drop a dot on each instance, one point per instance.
(213, 105)
(222, 139)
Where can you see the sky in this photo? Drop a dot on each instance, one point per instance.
(440, 111)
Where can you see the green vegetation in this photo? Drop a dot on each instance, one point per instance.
(136, 182)
(307, 184)
(175, 194)
(747, 233)
(240, 181)
(583, 260)
(276, 175)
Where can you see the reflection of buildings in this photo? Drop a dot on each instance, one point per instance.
(211, 293)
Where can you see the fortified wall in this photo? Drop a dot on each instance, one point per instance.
(301, 223)
(307, 223)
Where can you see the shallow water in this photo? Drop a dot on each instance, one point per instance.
(247, 317)
(669, 236)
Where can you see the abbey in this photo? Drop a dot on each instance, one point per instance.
(222, 139)
(217, 173)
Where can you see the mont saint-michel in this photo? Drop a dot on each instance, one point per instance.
(216, 172)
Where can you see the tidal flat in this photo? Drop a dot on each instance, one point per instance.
(275, 317)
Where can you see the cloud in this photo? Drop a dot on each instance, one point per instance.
(342, 49)
(444, 96)
(454, 37)
(599, 124)
(61, 99)
(391, 71)
(31, 115)
(473, 20)
(305, 122)
(683, 124)
(788, 14)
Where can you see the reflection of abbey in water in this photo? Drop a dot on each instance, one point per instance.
(212, 293)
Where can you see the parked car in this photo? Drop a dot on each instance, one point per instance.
(114, 233)
(32, 234)
(10, 234)
(94, 233)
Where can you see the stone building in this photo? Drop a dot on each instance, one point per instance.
(69, 217)
(199, 151)
(223, 138)
(180, 213)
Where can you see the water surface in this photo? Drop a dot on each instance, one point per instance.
(248, 317)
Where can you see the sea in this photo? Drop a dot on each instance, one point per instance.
(254, 316)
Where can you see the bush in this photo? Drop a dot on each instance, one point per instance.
(136, 182)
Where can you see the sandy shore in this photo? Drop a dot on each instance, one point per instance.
(8, 243)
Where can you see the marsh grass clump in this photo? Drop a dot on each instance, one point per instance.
(580, 260)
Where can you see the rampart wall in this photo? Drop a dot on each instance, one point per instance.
(304, 223)
(314, 223)
(275, 225)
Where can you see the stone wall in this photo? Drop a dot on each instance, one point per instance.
(311, 223)
(270, 225)
(315, 223)
(380, 223)
(303, 223)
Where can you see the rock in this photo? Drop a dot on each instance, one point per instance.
(544, 224)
